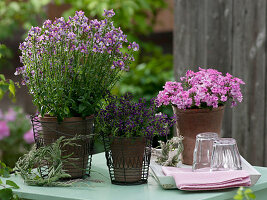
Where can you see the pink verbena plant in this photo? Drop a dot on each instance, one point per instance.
(206, 88)
(70, 64)
(16, 134)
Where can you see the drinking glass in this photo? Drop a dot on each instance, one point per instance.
(225, 155)
(203, 151)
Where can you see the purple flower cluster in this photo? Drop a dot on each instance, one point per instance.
(68, 65)
(109, 13)
(124, 118)
(77, 35)
(205, 88)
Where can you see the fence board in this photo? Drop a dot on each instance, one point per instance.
(219, 45)
(249, 64)
(230, 36)
(189, 36)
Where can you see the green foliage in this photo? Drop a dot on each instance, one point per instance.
(50, 154)
(7, 86)
(5, 55)
(4, 170)
(134, 16)
(246, 194)
(18, 125)
(6, 192)
(12, 184)
(148, 77)
(15, 15)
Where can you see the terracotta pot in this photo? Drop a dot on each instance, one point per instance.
(51, 130)
(127, 156)
(191, 122)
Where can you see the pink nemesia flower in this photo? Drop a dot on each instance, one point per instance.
(10, 115)
(28, 137)
(4, 130)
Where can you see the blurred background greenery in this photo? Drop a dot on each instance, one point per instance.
(149, 22)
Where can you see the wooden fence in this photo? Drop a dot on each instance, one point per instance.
(229, 35)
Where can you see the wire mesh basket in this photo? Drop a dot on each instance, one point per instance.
(47, 130)
(128, 159)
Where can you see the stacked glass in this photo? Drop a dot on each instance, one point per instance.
(212, 153)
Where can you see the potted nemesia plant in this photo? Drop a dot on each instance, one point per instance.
(198, 102)
(127, 129)
(69, 65)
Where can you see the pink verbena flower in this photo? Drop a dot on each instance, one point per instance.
(29, 137)
(4, 130)
(205, 88)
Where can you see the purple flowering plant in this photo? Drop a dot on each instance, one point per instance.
(123, 117)
(207, 88)
(70, 64)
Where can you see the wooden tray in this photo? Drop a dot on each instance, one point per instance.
(167, 182)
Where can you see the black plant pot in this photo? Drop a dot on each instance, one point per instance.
(128, 159)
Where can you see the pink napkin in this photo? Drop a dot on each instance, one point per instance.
(185, 179)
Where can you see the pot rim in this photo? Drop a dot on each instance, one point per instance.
(68, 119)
(129, 138)
(198, 110)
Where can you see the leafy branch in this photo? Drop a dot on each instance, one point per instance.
(6, 192)
(170, 152)
(7, 86)
(49, 157)
(246, 194)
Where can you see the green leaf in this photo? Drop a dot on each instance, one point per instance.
(16, 197)
(238, 197)
(12, 88)
(2, 77)
(1, 182)
(66, 110)
(6, 194)
(247, 191)
(42, 110)
(252, 196)
(81, 108)
(1, 93)
(4, 172)
(2, 164)
(4, 86)
(12, 183)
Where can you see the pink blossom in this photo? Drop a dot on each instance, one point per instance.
(4, 130)
(223, 98)
(10, 115)
(28, 137)
(207, 87)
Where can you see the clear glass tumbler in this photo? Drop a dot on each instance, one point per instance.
(203, 151)
(225, 155)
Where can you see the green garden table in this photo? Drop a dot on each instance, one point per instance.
(98, 187)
